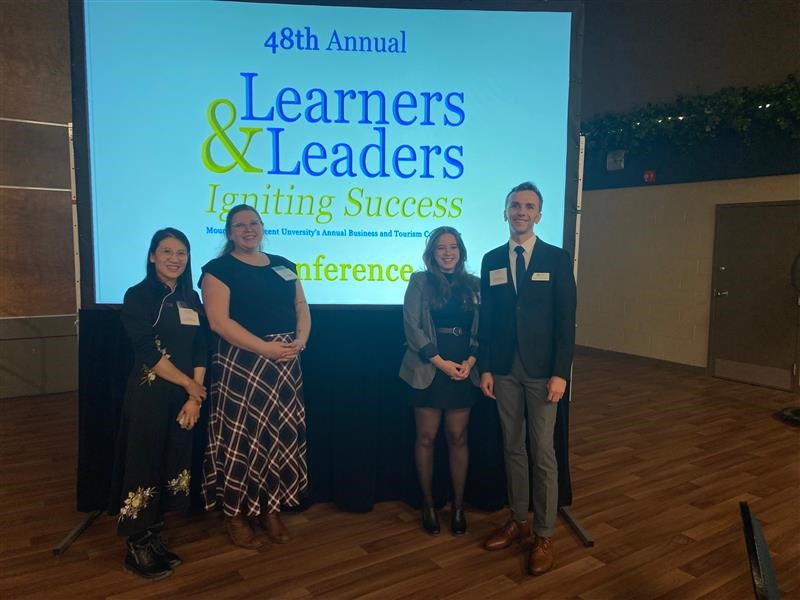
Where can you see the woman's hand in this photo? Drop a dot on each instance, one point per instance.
(189, 413)
(195, 389)
(453, 370)
(466, 366)
(280, 351)
(298, 345)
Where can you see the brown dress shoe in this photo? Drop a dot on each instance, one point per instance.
(276, 530)
(541, 559)
(507, 535)
(241, 533)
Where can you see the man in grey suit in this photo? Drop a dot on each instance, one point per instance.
(526, 341)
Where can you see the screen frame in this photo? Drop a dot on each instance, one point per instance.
(80, 99)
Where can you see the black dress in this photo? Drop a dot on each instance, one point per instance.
(153, 462)
(444, 393)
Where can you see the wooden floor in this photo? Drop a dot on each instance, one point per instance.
(661, 455)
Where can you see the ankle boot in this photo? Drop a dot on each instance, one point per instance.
(458, 522)
(276, 530)
(430, 520)
(240, 532)
(142, 561)
(162, 552)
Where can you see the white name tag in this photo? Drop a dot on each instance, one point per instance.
(286, 274)
(498, 276)
(188, 316)
(540, 277)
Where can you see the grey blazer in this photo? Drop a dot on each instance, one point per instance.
(420, 333)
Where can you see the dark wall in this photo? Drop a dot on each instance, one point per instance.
(635, 51)
(651, 51)
(38, 278)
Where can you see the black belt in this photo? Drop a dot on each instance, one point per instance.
(450, 330)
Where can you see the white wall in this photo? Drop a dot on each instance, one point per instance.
(644, 279)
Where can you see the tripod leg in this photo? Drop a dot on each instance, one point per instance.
(76, 532)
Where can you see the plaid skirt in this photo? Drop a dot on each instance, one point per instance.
(256, 455)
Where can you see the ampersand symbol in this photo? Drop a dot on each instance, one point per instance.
(219, 133)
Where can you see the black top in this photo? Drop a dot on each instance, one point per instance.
(151, 319)
(453, 313)
(261, 300)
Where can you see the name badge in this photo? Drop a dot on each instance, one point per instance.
(188, 316)
(540, 277)
(285, 274)
(498, 276)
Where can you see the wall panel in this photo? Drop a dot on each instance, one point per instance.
(37, 269)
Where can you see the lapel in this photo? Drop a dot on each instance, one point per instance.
(534, 256)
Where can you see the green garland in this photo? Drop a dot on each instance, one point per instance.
(747, 114)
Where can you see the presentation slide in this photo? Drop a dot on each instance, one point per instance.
(353, 132)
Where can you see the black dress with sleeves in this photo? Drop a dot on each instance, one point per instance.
(153, 462)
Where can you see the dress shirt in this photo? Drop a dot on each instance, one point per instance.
(527, 245)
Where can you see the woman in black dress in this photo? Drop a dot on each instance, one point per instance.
(440, 319)
(256, 457)
(161, 316)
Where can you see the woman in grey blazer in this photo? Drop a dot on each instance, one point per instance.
(440, 319)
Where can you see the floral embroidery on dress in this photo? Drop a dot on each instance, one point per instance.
(136, 502)
(148, 375)
(180, 483)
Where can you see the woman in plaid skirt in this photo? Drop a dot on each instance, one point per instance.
(256, 457)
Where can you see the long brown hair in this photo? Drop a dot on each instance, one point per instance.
(461, 283)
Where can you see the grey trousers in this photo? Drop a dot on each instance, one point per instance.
(514, 391)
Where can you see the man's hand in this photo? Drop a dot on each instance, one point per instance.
(487, 385)
(556, 386)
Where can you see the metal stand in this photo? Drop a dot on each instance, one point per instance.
(76, 532)
(564, 511)
(582, 534)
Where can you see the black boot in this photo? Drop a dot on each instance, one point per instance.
(162, 552)
(430, 520)
(458, 522)
(142, 561)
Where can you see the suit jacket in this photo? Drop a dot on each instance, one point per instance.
(421, 335)
(539, 320)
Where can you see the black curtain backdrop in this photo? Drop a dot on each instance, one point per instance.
(360, 427)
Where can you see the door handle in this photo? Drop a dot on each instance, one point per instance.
(718, 293)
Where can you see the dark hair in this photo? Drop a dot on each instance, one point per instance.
(229, 245)
(462, 282)
(183, 285)
(526, 186)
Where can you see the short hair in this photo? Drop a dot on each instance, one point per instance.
(526, 186)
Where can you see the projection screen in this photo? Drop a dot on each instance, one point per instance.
(353, 130)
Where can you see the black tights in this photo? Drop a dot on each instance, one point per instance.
(456, 421)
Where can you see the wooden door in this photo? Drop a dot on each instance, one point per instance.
(755, 309)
